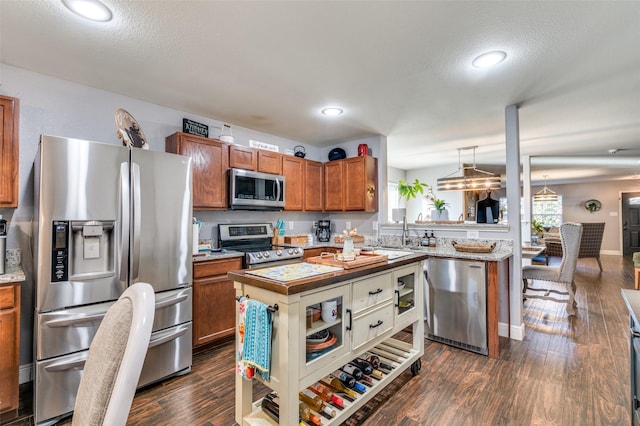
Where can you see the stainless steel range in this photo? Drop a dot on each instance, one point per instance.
(254, 239)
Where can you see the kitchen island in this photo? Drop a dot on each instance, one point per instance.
(373, 303)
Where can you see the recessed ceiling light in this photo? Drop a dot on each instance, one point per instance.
(332, 111)
(489, 59)
(89, 9)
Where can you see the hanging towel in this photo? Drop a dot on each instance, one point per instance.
(257, 338)
(242, 369)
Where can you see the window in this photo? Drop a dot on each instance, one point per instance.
(392, 198)
(548, 212)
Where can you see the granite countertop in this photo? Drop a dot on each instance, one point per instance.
(216, 255)
(304, 284)
(13, 274)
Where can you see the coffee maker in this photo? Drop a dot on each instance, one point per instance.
(323, 233)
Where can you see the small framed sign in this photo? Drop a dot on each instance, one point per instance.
(195, 128)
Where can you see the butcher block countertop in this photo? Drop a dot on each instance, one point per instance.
(312, 282)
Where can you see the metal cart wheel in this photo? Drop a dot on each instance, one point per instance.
(416, 367)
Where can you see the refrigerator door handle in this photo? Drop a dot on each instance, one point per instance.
(172, 300)
(164, 338)
(76, 364)
(135, 185)
(125, 209)
(75, 320)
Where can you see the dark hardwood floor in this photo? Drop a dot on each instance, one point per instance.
(565, 372)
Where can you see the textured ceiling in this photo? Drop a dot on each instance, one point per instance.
(399, 69)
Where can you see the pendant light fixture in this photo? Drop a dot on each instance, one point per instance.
(472, 179)
(545, 194)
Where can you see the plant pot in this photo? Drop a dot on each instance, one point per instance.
(439, 214)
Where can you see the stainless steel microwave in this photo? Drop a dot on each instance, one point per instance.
(249, 190)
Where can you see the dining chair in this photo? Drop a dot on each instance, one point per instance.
(570, 236)
(114, 363)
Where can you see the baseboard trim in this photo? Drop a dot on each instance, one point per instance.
(517, 331)
(613, 252)
(25, 373)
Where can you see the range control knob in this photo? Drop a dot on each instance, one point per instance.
(266, 254)
(278, 252)
(296, 250)
(290, 251)
(259, 255)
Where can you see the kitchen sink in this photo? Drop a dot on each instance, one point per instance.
(392, 253)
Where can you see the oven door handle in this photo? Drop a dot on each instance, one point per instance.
(277, 183)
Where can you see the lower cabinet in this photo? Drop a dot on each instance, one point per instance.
(213, 300)
(10, 352)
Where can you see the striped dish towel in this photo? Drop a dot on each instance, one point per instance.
(256, 350)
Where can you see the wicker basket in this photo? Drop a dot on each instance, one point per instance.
(473, 248)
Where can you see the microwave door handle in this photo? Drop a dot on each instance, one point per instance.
(125, 211)
(277, 183)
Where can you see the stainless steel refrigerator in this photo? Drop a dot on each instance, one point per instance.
(107, 216)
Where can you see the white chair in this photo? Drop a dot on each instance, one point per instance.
(570, 236)
(115, 359)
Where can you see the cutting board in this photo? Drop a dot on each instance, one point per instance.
(362, 260)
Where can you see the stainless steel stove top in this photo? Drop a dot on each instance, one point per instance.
(255, 240)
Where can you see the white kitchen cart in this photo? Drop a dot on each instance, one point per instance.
(372, 308)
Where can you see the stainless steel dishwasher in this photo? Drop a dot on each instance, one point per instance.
(456, 303)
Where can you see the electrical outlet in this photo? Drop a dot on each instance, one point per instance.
(348, 225)
(291, 225)
(315, 224)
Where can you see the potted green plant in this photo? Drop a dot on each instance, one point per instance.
(439, 211)
(411, 190)
(537, 227)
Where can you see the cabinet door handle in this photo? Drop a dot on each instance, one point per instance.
(635, 333)
(398, 298)
(378, 324)
(375, 292)
(350, 319)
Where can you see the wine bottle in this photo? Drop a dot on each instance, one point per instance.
(316, 403)
(367, 380)
(270, 407)
(353, 370)
(386, 366)
(363, 365)
(347, 379)
(377, 374)
(326, 395)
(373, 359)
(307, 415)
(337, 386)
(359, 387)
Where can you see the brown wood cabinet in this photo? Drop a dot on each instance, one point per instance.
(350, 184)
(213, 300)
(293, 171)
(210, 164)
(9, 163)
(10, 352)
(243, 157)
(333, 186)
(270, 162)
(313, 194)
(360, 181)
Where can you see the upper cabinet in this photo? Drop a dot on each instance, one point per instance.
(360, 177)
(313, 194)
(269, 162)
(9, 129)
(350, 185)
(243, 157)
(210, 164)
(293, 171)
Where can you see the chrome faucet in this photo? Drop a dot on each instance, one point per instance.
(405, 231)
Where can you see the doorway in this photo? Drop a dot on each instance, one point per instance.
(630, 222)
